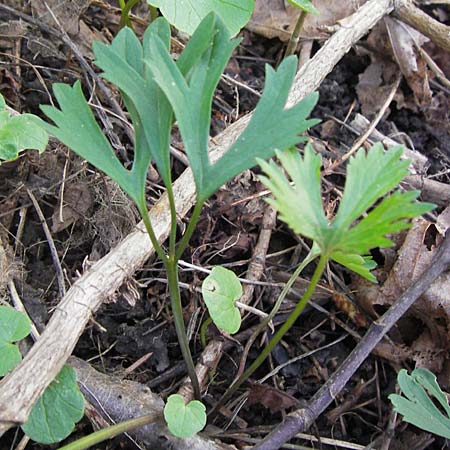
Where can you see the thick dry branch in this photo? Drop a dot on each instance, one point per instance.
(439, 33)
(301, 419)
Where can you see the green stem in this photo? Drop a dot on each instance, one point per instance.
(153, 13)
(125, 14)
(203, 329)
(280, 333)
(189, 230)
(293, 41)
(173, 223)
(142, 206)
(177, 311)
(109, 432)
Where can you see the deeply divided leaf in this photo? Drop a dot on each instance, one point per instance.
(55, 414)
(370, 176)
(417, 406)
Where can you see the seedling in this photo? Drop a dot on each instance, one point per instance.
(184, 420)
(361, 223)
(18, 133)
(220, 290)
(61, 406)
(306, 7)
(417, 406)
(186, 16)
(154, 89)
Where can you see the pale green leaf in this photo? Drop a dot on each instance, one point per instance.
(14, 325)
(304, 5)
(271, 126)
(418, 408)
(184, 420)
(18, 133)
(369, 177)
(220, 290)
(187, 14)
(10, 357)
(55, 414)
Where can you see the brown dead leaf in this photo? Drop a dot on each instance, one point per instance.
(405, 42)
(277, 18)
(343, 303)
(270, 397)
(77, 201)
(66, 12)
(428, 336)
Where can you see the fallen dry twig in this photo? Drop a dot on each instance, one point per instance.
(301, 419)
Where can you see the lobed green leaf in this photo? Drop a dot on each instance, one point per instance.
(369, 177)
(418, 408)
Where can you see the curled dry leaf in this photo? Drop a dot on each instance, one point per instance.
(427, 325)
(277, 18)
(269, 397)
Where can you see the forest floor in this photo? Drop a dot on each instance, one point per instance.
(131, 336)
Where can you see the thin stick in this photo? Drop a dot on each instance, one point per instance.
(301, 419)
(371, 127)
(51, 244)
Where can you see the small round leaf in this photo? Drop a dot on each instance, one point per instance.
(184, 420)
(10, 357)
(220, 290)
(55, 414)
(14, 325)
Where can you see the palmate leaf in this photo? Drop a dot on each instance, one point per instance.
(271, 127)
(370, 176)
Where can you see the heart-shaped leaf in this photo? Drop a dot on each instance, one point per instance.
(220, 290)
(55, 414)
(184, 420)
(186, 15)
(14, 326)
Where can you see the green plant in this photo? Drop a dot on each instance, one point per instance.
(125, 8)
(18, 133)
(186, 16)
(417, 406)
(362, 222)
(184, 420)
(155, 89)
(61, 405)
(220, 290)
(306, 7)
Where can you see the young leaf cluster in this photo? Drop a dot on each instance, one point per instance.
(416, 405)
(361, 223)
